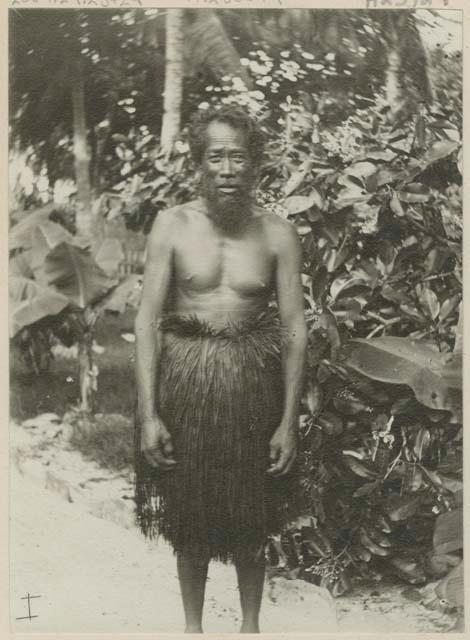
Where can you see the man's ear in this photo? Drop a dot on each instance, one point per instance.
(198, 175)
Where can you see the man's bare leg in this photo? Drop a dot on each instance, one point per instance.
(250, 584)
(192, 575)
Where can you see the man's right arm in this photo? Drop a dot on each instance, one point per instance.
(156, 442)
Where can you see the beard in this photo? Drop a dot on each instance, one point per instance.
(229, 211)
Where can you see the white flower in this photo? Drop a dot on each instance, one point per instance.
(307, 55)
(238, 85)
(285, 54)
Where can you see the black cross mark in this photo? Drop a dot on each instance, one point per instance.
(28, 597)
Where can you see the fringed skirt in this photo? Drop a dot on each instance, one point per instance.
(220, 395)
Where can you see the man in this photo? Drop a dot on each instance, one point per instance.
(219, 374)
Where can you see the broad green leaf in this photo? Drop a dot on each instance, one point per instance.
(420, 131)
(349, 403)
(20, 235)
(347, 310)
(346, 282)
(319, 282)
(297, 177)
(359, 468)
(396, 206)
(109, 255)
(314, 397)
(371, 545)
(327, 321)
(335, 258)
(408, 196)
(394, 294)
(448, 307)
(429, 301)
(20, 265)
(386, 175)
(30, 302)
(451, 588)
(439, 564)
(298, 204)
(400, 508)
(422, 441)
(348, 197)
(361, 170)
(408, 570)
(448, 532)
(367, 489)
(440, 150)
(45, 237)
(434, 378)
(75, 274)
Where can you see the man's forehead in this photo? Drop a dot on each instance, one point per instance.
(221, 134)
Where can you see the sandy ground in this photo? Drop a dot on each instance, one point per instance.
(94, 575)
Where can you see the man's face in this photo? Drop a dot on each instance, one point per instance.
(227, 173)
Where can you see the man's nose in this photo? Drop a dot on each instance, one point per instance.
(227, 167)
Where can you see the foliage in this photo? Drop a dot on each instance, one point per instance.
(377, 203)
(58, 290)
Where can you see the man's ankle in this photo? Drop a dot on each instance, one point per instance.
(193, 628)
(250, 626)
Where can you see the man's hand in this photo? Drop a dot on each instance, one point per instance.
(282, 450)
(156, 444)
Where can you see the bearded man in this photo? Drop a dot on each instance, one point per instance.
(219, 370)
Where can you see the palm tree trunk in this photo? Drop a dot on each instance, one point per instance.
(392, 74)
(81, 152)
(173, 92)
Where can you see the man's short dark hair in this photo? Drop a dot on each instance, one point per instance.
(233, 115)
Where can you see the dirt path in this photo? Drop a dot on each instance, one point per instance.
(94, 575)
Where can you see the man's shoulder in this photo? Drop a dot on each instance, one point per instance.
(278, 228)
(173, 219)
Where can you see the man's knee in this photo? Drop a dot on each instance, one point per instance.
(194, 558)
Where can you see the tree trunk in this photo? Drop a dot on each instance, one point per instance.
(173, 92)
(87, 373)
(393, 87)
(81, 152)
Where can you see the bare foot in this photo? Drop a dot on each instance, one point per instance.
(249, 627)
(193, 629)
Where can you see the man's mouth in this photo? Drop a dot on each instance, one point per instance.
(227, 189)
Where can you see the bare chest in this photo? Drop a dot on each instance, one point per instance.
(204, 262)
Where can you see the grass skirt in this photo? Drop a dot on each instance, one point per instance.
(220, 396)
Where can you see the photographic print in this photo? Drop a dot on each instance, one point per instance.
(235, 318)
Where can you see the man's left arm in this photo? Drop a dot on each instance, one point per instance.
(283, 446)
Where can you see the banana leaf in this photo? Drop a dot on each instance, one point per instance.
(75, 274)
(448, 532)
(435, 378)
(451, 588)
(30, 302)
